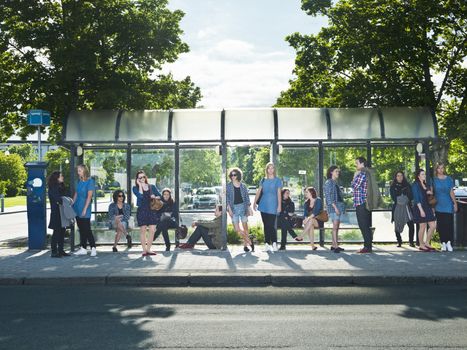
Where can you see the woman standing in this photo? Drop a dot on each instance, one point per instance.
(169, 217)
(238, 206)
(335, 204)
(312, 207)
(270, 205)
(147, 218)
(401, 194)
(119, 214)
(446, 206)
(285, 219)
(423, 214)
(56, 191)
(82, 205)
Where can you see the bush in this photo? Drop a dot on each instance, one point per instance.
(100, 193)
(255, 231)
(12, 171)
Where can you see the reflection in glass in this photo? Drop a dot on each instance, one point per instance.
(200, 178)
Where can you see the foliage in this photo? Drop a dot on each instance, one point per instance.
(70, 55)
(12, 169)
(262, 157)
(25, 151)
(385, 53)
(200, 167)
(57, 161)
(255, 231)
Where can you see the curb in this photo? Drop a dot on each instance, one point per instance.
(235, 280)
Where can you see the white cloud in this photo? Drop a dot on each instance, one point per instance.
(232, 73)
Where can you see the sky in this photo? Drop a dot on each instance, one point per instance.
(238, 53)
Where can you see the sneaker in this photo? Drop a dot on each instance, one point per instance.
(93, 251)
(443, 247)
(81, 251)
(274, 247)
(449, 246)
(267, 248)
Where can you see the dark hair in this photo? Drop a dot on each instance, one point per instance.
(330, 171)
(53, 179)
(282, 193)
(137, 175)
(238, 171)
(170, 201)
(115, 195)
(404, 179)
(312, 191)
(362, 160)
(417, 174)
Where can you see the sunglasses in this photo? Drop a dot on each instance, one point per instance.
(121, 195)
(233, 174)
(141, 177)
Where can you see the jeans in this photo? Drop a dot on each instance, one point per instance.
(286, 227)
(164, 227)
(201, 232)
(57, 242)
(270, 231)
(364, 219)
(85, 233)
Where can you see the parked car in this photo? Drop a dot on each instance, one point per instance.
(251, 190)
(205, 197)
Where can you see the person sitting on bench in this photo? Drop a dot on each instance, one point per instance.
(208, 230)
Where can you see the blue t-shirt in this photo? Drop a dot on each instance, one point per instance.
(81, 194)
(268, 202)
(443, 189)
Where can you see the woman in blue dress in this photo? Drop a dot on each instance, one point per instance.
(147, 218)
(269, 205)
(82, 204)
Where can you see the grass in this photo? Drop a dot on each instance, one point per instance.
(14, 201)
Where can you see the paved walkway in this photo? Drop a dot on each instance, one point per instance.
(296, 266)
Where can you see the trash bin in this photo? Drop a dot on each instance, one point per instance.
(460, 221)
(36, 205)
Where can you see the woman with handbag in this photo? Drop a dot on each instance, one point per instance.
(401, 194)
(423, 213)
(169, 217)
(119, 214)
(147, 217)
(286, 219)
(269, 198)
(238, 206)
(335, 204)
(312, 208)
(446, 206)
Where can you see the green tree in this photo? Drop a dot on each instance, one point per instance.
(385, 53)
(200, 167)
(262, 157)
(25, 151)
(58, 160)
(103, 54)
(12, 173)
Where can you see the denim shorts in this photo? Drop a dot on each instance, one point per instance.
(333, 216)
(239, 213)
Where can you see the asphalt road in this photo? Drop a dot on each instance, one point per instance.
(84, 317)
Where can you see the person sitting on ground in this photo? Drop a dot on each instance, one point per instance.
(208, 230)
(119, 215)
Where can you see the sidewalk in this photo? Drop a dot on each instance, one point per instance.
(296, 266)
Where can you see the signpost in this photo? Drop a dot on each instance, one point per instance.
(39, 117)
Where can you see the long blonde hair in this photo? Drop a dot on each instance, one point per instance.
(266, 169)
(85, 171)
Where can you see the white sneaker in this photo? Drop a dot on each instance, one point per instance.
(274, 247)
(443, 247)
(449, 246)
(81, 251)
(93, 252)
(267, 248)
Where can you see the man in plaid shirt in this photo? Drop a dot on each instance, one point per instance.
(359, 186)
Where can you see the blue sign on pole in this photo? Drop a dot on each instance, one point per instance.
(38, 117)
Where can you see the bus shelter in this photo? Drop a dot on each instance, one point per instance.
(191, 150)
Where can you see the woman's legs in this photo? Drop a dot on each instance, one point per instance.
(267, 223)
(152, 230)
(421, 234)
(335, 232)
(142, 235)
(120, 229)
(431, 230)
(243, 233)
(85, 232)
(410, 224)
(309, 229)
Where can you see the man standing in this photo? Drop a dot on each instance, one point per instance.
(360, 195)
